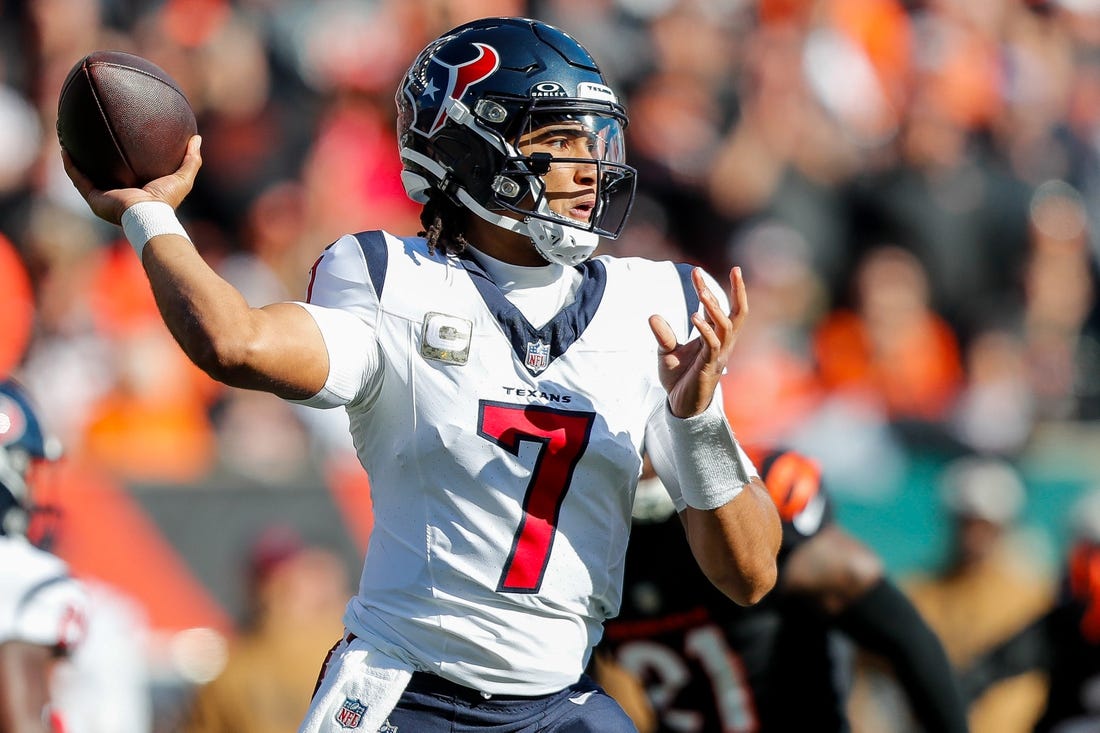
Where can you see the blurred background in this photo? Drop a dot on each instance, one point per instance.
(912, 189)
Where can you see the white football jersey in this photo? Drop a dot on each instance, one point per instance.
(39, 602)
(502, 457)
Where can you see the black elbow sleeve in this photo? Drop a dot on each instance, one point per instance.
(884, 621)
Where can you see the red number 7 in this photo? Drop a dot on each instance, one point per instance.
(562, 437)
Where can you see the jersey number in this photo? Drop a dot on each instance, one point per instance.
(561, 438)
(670, 674)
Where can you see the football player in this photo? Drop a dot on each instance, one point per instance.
(500, 385)
(42, 609)
(1063, 643)
(705, 665)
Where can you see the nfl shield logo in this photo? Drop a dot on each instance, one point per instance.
(350, 714)
(538, 356)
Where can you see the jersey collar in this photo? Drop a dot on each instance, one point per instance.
(537, 348)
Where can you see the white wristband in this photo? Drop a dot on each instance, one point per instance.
(147, 219)
(711, 467)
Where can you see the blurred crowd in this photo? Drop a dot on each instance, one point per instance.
(912, 188)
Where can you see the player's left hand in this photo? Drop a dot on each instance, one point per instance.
(690, 371)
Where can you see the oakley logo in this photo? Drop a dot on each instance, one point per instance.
(547, 89)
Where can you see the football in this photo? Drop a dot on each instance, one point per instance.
(123, 120)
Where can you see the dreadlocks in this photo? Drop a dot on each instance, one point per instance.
(443, 222)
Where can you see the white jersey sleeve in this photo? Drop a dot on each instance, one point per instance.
(39, 602)
(343, 301)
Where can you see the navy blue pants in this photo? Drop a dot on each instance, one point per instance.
(431, 704)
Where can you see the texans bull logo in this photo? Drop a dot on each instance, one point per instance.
(460, 77)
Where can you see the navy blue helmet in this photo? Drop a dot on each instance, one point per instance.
(472, 94)
(23, 440)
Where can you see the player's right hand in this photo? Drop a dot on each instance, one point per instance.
(171, 189)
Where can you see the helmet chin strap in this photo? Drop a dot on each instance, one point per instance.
(556, 242)
(559, 243)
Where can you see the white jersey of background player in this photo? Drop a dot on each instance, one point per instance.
(42, 609)
(500, 408)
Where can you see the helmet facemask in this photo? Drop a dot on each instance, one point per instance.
(14, 465)
(579, 144)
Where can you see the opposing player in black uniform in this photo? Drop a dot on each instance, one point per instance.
(709, 666)
(1064, 642)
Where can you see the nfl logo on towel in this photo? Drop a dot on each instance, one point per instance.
(538, 356)
(350, 714)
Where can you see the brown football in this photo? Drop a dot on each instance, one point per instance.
(123, 120)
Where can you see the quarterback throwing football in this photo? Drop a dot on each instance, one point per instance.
(502, 387)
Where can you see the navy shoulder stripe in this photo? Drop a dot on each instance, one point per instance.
(691, 298)
(374, 248)
(37, 588)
